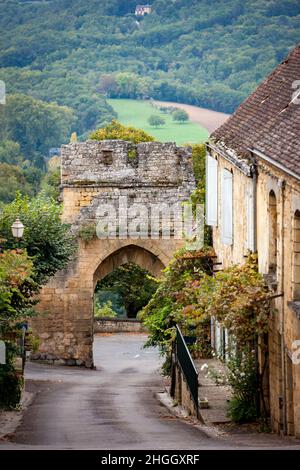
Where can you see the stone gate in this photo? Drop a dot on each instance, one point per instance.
(94, 175)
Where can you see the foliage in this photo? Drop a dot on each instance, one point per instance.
(34, 126)
(16, 285)
(134, 285)
(47, 240)
(87, 232)
(11, 384)
(28, 128)
(13, 179)
(115, 130)
(103, 296)
(50, 245)
(125, 85)
(105, 310)
(238, 300)
(198, 155)
(65, 51)
(50, 184)
(236, 297)
(180, 115)
(10, 152)
(198, 196)
(241, 375)
(17, 288)
(32, 342)
(156, 121)
(168, 304)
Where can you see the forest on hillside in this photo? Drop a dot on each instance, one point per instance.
(210, 53)
(62, 59)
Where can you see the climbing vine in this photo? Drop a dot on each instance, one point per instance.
(237, 297)
(167, 306)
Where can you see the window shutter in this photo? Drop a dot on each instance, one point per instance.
(227, 220)
(250, 217)
(211, 190)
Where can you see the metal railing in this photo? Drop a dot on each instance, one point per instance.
(186, 363)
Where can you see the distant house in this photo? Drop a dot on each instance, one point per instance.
(142, 10)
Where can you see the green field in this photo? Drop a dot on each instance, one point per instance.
(136, 113)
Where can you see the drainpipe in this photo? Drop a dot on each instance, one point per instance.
(254, 174)
(281, 184)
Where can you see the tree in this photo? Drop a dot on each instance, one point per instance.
(108, 85)
(180, 116)
(50, 184)
(46, 247)
(47, 240)
(16, 285)
(13, 179)
(198, 154)
(105, 310)
(115, 130)
(10, 152)
(34, 125)
(156, 120)
(135, 285)
(16, 299)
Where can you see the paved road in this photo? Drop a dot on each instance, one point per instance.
(113, 407)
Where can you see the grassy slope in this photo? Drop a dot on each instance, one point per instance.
(136, 113)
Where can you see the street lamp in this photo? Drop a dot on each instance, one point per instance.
(17, 229)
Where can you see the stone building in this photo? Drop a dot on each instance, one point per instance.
(142, 10)
(253, 203)
(114, 176)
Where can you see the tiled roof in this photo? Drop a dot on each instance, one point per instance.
(269, 119)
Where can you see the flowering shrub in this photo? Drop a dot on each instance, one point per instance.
(240, 374)
(173, 303)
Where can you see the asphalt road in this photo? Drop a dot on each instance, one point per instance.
(113, 407)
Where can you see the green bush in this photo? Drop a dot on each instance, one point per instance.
(242, 412)
(105, 310)
(11, 384)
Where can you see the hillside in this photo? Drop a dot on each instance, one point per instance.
(136, 113)
(209, 53)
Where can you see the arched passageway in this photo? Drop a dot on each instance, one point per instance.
(129, 254)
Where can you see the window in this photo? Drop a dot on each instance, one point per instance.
(107, 157)
(296, 256)
(272, 233)
(211, 190)
(226, 207)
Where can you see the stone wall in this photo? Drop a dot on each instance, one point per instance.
(182, 395)
(118, 325)
(94, 174)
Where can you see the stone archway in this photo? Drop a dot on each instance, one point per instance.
(129, 254)
(158, 174)
(66, 331)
